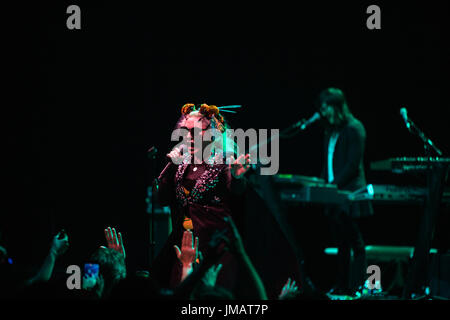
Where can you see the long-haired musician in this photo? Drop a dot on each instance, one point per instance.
(344, 145)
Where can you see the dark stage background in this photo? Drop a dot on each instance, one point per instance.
(89, 103)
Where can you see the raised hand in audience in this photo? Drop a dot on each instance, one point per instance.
(289, 290)
(212, 254)
(188, 253)
(114, 240)
(210, 277)
(59, 246)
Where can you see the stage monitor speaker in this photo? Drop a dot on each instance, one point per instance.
(162, 229)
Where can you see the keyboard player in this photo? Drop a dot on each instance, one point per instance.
(343, 165)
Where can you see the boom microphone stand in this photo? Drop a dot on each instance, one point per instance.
(417, 285)
(412, 128)
(151, 190)
(307, 285)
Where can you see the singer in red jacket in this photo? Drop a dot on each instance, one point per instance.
(199, 187)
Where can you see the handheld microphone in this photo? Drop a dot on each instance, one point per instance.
(404, 114)
(182, 149)
(314, 118)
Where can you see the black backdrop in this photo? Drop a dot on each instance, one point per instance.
(88, 103)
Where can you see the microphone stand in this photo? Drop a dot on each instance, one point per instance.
(417, 284)
(295, 128)
(428, 144)
(151, 190)
(307, 285)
